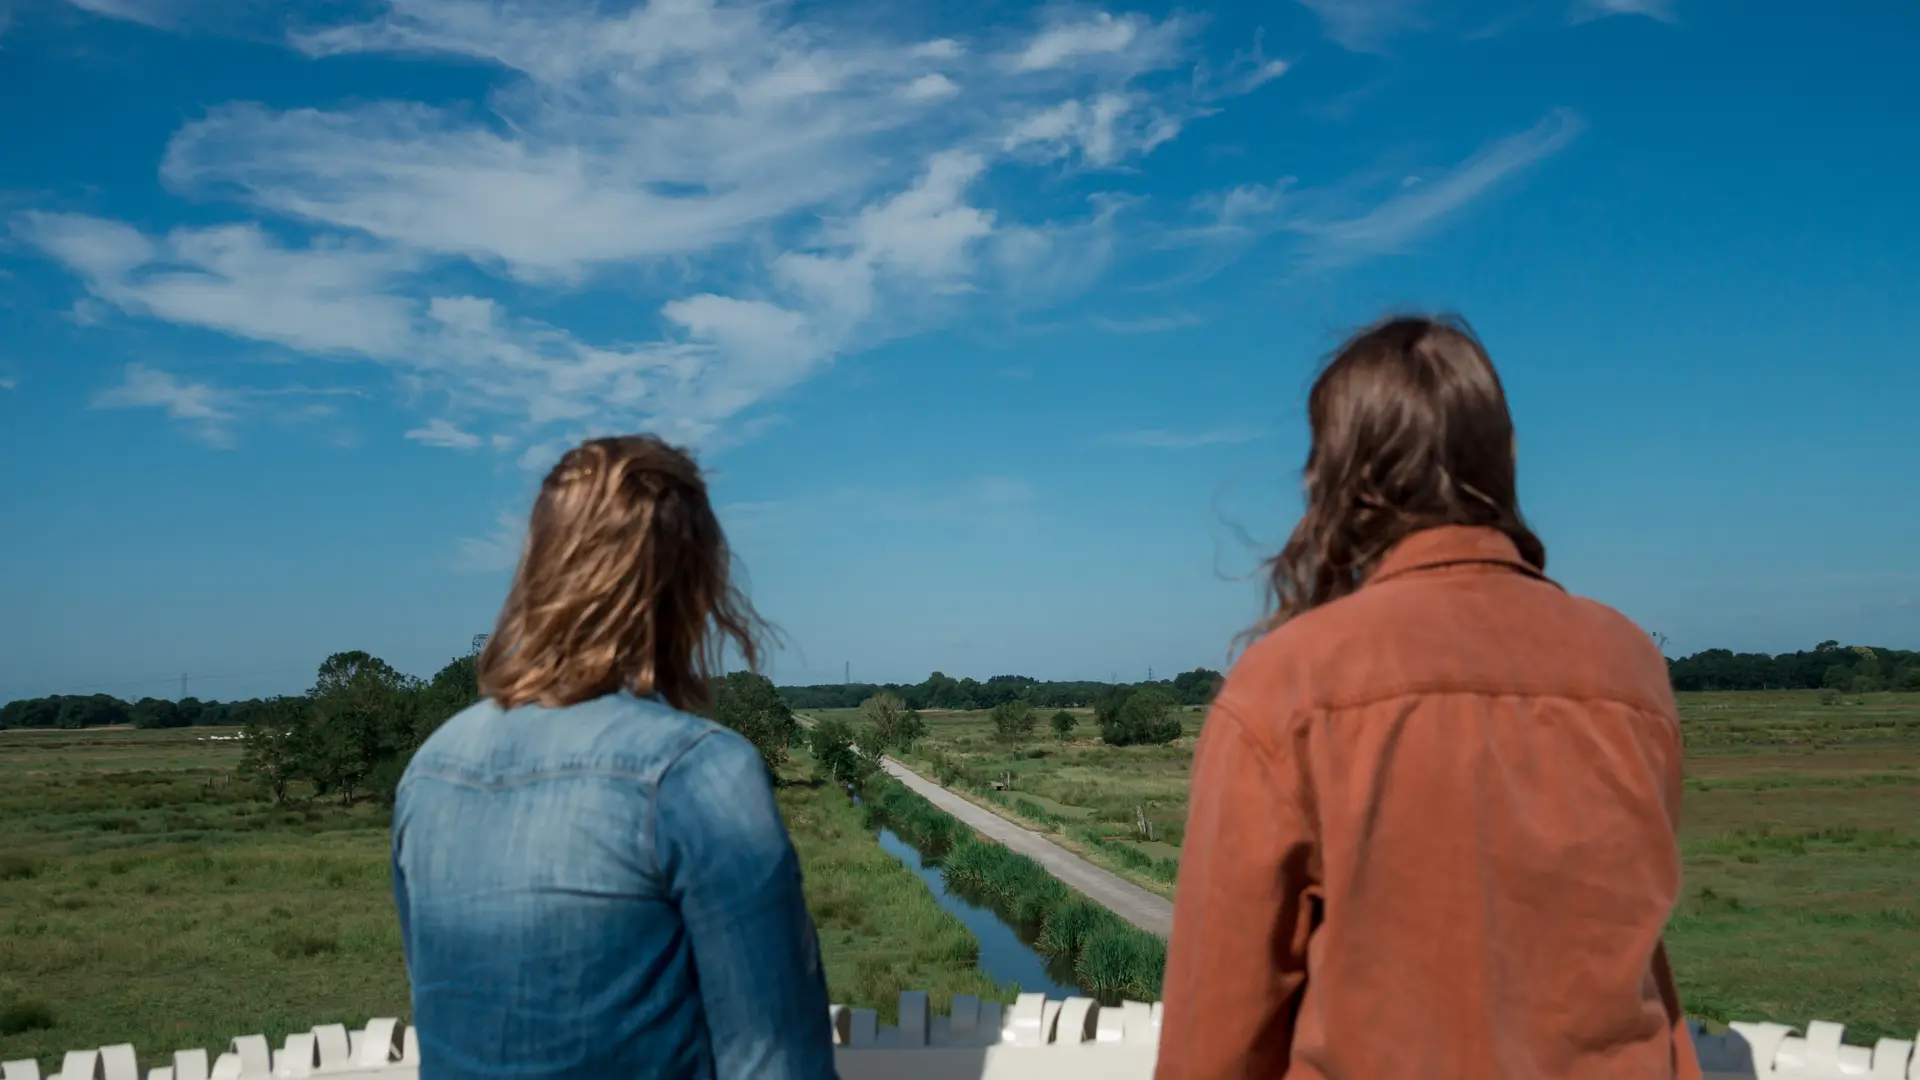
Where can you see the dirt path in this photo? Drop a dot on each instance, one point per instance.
(1143, 909)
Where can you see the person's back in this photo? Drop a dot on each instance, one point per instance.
(595, 883)
(591, 881)
(1433, 811)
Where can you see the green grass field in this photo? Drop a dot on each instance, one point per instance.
(1800, 833)
(143, 898)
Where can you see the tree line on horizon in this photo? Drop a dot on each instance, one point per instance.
(944, 692)
(1828, 665)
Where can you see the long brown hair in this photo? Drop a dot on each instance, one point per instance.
(1410, 431)
(624, 583)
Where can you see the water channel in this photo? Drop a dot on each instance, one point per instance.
(1007, 956)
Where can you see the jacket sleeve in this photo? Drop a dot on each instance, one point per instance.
(734, 875)
(1242, 912)
(1686, 1062)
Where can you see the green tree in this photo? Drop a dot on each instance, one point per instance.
(452, 689)
(872, 746)
(896, 726)
(157, 713)
(835, 756)
(1198, 686)
(747, 702)
(1146, 717)
(94, 710)
(1013, 721)
(363, 724)
(275, 743)
(1063, 724)
(1107, 709)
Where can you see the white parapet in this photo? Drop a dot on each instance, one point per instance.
(1035, 1038)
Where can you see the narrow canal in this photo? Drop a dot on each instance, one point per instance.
(1005, 955)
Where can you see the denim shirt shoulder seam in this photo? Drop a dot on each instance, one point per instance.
(452, 776)
(700, 735)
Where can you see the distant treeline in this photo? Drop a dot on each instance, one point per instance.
(941, 691)
(1828, 665)
(102, 710)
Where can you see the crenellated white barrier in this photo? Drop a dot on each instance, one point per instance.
(1035, 1038)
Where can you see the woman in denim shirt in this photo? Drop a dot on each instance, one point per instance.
(592, 882)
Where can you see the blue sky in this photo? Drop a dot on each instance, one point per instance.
(993, 325)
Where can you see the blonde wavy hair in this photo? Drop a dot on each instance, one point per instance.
(625, 582)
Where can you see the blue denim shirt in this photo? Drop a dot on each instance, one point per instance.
(603, 890)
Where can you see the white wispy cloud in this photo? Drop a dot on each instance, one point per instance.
(1132, 41)
(211, 412)
(205, 410)
(443, 433)
(330, 297)
(496, 550)
(793, 191)
(1177, 440)
(1415, 209)
(1239, 212)
(157, 13)
(8, 383)
(931, 87)
(799, 190)
(1588, 10)
(1247, 72)
(1367, 25)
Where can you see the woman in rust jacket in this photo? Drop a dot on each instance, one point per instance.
(1434, 806)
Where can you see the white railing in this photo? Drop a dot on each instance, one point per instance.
(1035, 1038)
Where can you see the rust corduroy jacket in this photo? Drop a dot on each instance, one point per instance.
(1432, 834)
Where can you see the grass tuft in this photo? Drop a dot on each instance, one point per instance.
(24, 1016)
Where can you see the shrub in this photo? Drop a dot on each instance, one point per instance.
(1013, 721)
(748, 703)
(945, 769)
(872, 746)
(1145, 717)
(304, 945)
(895, 726)
(1829, 696)
(24, 1016)
(831, 743)
(1033, 811)
(1116, 961)
(1070, 925)
(1063, 723)
(18, 868)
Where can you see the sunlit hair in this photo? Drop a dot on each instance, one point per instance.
(1410, 431)
(624, 583)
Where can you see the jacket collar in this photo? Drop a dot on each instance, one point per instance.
(1452, 545)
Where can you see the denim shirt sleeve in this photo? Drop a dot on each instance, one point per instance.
(732, 871)
(400, 891)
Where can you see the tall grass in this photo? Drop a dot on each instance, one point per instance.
(1110, 957)
(1167, 870)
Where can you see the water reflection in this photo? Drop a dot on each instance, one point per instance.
(1003, 955)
